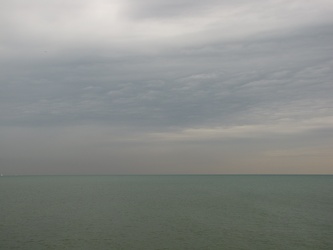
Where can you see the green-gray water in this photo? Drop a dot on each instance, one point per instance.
(167, 212)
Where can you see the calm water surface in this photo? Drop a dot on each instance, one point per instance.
(167, 212)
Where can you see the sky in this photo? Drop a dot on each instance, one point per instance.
(166, 87)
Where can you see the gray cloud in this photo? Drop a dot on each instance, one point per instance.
(180, 78)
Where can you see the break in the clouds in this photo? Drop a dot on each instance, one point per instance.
(166, 86)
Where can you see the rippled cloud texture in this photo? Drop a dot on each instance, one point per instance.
(166, 87)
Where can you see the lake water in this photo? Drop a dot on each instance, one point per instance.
(167, 212)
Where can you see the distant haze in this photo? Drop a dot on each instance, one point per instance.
(166, 87)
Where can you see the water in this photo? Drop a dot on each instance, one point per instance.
(166, 212)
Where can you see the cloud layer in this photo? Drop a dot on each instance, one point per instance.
(165, 83)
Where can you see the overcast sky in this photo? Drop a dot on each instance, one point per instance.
(166, 86)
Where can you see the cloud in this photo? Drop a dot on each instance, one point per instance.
(165, 72)
(59, 26)
(283, 127)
